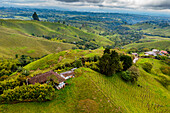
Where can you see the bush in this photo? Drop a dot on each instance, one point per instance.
(165, 70)
(126, 75)
(11, 84)
(134, 73)
(25, 72)
(35, 92)
(131, 74)
(78, 63)
(147, 67)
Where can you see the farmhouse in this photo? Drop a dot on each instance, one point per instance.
(150, 53)
(46, 77)
(155, 51)
(67, 75)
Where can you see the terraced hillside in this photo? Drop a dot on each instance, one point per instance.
(91, 91)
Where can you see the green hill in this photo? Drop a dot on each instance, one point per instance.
(93, 92)
(164, 44)
(13, 42)
(59, 31)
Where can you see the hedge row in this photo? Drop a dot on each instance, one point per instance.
(35, 92)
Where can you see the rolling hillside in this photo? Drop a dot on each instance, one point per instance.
(14, 42)
(93, 92)
(164, 44)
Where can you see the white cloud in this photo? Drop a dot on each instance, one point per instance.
(163, 5)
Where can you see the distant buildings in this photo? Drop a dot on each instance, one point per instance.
(156, 52)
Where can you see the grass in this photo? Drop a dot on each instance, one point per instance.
(94, 92)
(108, 94)
(164, 44)
(12, 42)
(69, 33)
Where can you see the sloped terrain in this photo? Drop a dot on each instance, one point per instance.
(91, 91)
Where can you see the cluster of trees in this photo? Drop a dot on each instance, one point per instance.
(8, 66)
(37, 92)
(111, 62)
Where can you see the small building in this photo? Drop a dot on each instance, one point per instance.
(155, 51)
(67, 75)
(150, 53)
(46, 77)
(163, 52)
(135, 54)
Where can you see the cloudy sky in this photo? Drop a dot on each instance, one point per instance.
(145, 5)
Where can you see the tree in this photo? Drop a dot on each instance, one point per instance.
(109, 64)
(107, 50)
(127, 61)
(35, 16)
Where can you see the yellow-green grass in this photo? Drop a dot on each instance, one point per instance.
(164, 44)
(71, 34)
(153, 38)
(67, 56)
(153, 29)
(13, 42)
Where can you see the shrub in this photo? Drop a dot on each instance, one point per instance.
(147, 66)
(165, 70)
(134, 73)
(131, 74)
(78, 63)
(126, 75)
(35, 92)
(25, 72)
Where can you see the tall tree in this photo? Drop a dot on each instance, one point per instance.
(127, 61)
(109, 64)
(35, 16)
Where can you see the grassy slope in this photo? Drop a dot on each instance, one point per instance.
(165, 44)
(153, 29)
(50, 29)
(108, 94)
(14, 42)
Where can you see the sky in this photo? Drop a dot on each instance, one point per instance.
(161, 6)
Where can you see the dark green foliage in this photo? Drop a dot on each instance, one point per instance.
(8, 66)
(109, 64)
(25, 72)
(20, 69)
(126, 75)
(131, 74)
(134, 71)
(127, 61)
(78, 63)
(5, 85)
(35, 16)
(35, 92)
(107, 50)
(147, 67)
